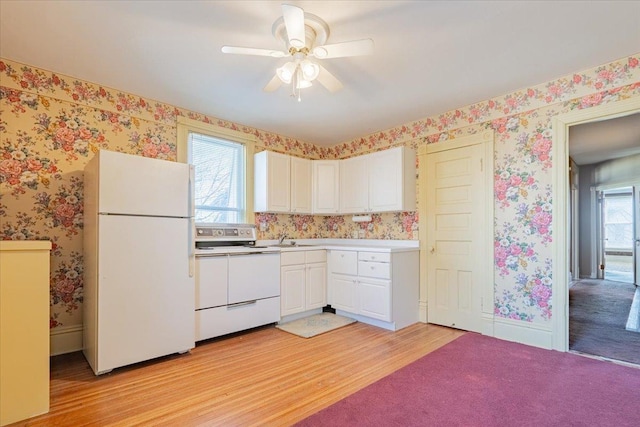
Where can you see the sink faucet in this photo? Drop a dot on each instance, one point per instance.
(281, 239)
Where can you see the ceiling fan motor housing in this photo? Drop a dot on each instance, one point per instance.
(316, 32)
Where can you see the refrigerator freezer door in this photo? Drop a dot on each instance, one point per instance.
(146, 297)
(136, 185)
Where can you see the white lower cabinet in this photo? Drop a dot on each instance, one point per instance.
(303, 281)
(377, 287)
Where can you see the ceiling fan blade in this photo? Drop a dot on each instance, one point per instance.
(328, 80)
(253, 51)
(294, 22)
(273, 84)
(339, 50)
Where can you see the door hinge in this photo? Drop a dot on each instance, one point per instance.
(481, 165)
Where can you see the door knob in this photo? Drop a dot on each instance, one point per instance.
(432, 250)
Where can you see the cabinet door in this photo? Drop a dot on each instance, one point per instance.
(326, 186)
(344, 293)
(271, 182)
(316, 286)
(292, 289)
(375, 298)
(385, 180)
(354, 185)
(300, 185)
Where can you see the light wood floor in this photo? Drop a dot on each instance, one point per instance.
(263, 377)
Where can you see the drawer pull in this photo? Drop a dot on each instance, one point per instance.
(240, 304)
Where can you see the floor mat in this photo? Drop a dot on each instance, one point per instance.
(317, 324)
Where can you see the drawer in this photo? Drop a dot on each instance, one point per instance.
(380, 270)
(374, 256)
(316, 256)
(344, 262)
(292, 258)
(218, 321)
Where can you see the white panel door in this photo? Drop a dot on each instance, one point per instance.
(292, 292)
(130, 184)
(300, 185)
(146, 299)
(636, 221)
(455, 200)
(354, 185)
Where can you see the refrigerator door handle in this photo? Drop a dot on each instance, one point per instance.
(192, 221)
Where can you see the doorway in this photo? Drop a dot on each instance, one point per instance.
(561, 221)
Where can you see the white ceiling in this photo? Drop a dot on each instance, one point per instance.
(430, 56)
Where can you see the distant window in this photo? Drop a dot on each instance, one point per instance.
(223, 166)
(618, 221)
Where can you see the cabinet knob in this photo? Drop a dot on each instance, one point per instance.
(432, 250)
(373, 268)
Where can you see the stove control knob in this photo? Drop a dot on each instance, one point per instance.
(218, 232)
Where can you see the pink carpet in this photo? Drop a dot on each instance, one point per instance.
(482, 381)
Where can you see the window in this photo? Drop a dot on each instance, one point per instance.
(223, 169)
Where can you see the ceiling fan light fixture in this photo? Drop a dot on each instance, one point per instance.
(310, 70)
(285, 73)
(303, 84)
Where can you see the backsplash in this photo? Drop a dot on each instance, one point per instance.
(397, 226)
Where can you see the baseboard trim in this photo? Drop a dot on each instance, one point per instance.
(487, 324)
(523, 332)
(65, 339)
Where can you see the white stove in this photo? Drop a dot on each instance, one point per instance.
(237, 282)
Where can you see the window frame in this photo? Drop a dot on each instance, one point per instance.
(185, 126)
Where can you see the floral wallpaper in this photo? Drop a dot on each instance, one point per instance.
(50, 125)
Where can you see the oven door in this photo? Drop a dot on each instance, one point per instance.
(253, 276)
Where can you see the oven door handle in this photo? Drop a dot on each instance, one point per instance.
(252, 253)
(200, 255)
(240, 304)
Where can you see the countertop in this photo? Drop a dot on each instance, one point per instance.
(347, 245)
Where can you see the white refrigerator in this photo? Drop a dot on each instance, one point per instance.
(139, 287)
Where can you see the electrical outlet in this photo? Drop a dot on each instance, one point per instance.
(361, 234)
(354, 234)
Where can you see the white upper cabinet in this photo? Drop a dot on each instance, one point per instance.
(392, 180)
(384, 181)
(326, 187)
(354, 185)
(300, 185)
(272, 175)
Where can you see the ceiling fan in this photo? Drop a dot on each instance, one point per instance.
(304, 36)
